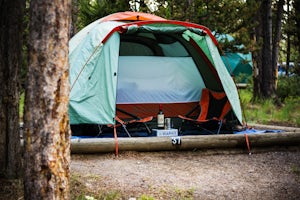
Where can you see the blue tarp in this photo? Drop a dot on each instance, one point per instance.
(255, 131)
(144, 134)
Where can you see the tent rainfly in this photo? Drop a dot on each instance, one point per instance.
(137, 61)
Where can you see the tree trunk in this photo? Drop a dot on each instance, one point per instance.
(264, 71)
(297, 19)
(288, 46)
(11, 28)
(46, 123)
(277, 36)
(256, 55)
(268, 83)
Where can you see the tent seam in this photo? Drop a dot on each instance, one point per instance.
(85, 64)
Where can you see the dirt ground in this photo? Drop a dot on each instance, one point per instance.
(266, 174)
(272, 174)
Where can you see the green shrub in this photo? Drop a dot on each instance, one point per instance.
(288, 87)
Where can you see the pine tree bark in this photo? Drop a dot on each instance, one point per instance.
(11, 16)
(264, 71)
(256, 55)
(46, 123)
(288, 39)
(297, 20)
(277, 36)
(268, 82)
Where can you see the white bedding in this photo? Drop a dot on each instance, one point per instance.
(153, 79)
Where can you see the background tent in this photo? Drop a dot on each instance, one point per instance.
(137, 65)
(238, 64)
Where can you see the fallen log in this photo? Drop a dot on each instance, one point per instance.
(101, 145)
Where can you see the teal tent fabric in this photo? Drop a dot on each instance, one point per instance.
(95, 60)
(228, 84)
(93, 77)
(238, 64)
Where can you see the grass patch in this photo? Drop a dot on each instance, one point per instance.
(185, 194)
(296, 170)
(267, 112)
(145, 197)
(21, 106)
(87, 188)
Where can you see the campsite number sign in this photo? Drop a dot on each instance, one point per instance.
(176, 140)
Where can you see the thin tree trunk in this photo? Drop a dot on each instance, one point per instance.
(11, 28)
(256, 55)
(46, 123)
(297, 19)
(277, 35)
(288, 48)
(268, 82)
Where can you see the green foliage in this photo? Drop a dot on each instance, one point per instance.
(23, 70)
(290, 31)
(21, 106)
(288, 87)
(110, 195)
(225, 16)
(104, 196)
(268, 112)
(80, 190)
(185, 194)
(146, 197)
(228, 16)
(296, 169)
(90, 10)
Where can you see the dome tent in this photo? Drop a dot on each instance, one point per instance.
(137, 61)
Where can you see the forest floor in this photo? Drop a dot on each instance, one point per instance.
(267, 174)
(210, 174)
